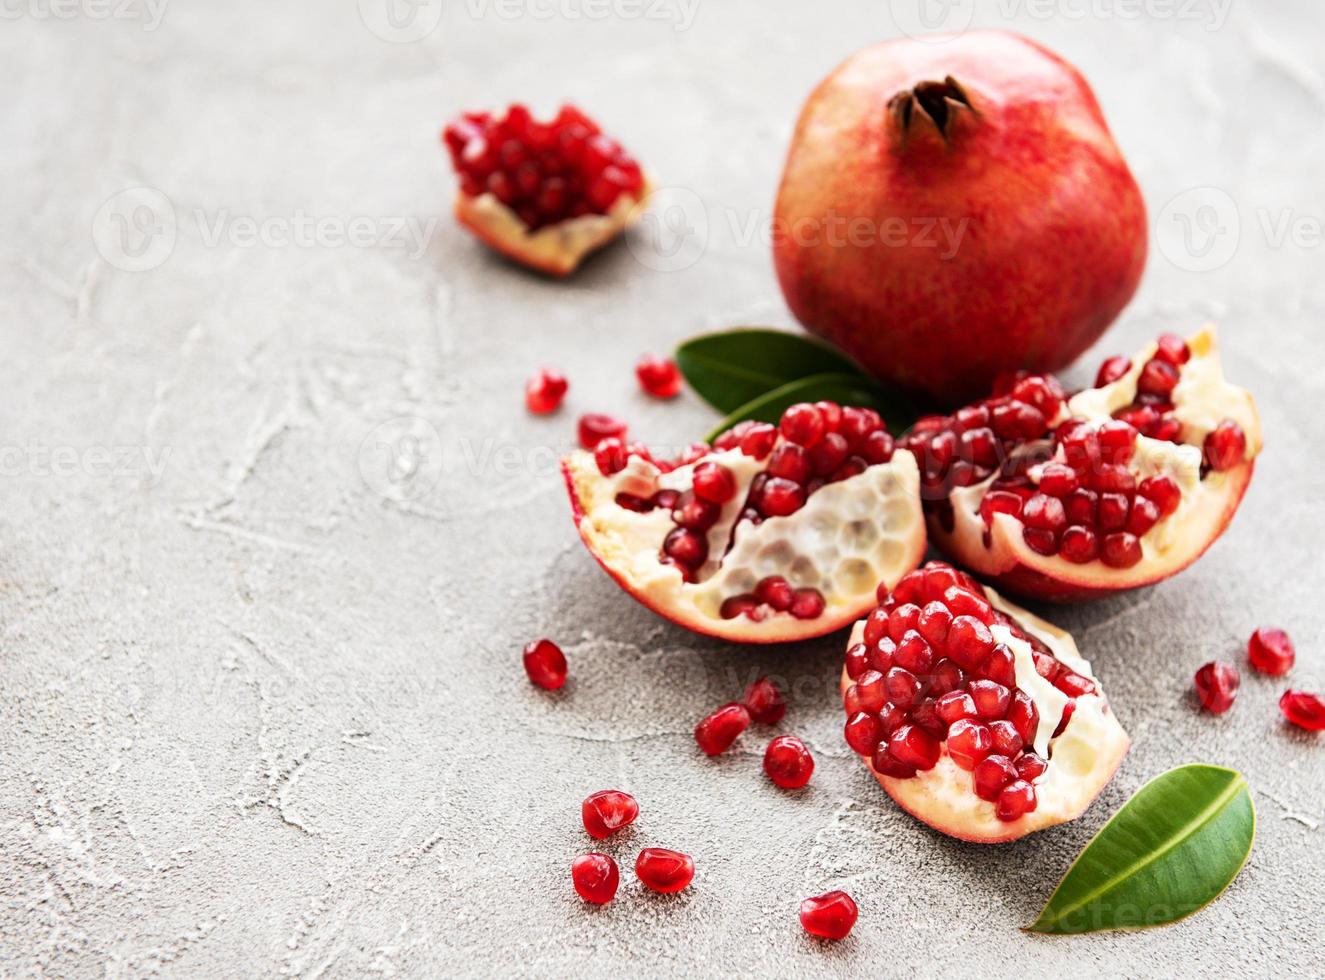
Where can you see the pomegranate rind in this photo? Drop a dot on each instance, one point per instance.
(1201, 400)
(1082, 759)
(880, 506)
(555, 249)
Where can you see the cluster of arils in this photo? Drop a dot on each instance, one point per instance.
(545, 172)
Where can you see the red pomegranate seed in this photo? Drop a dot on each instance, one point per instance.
(788, 762)
(901, 686)
(716, 732)
(1144, 516)
(664, 870)
(1111, 370)
(1030, 766)
(1121, 550)
(1000, 667)
(803, 424)
(595, 877)
(863, 732)
(1007, 740)
(658, 376)
(969, 742)
(991, 775)
(1217, 686)
(885, 764)
(953, 706)
(1057, 480)
(1173, 349)
(877, 447)
(695, 514)
(913, 747)
(999, 502)
(1271, 651)
(1044, 513)
(829, 916)
(594, 428)
(1163, 491)
(611, 456)
(789, 462)
(969, 642)
(779, 497)
(1157, 378)
(764, 701)
(1304, 710)
(807, 604)
(758, 440)
(544, 391)
(1079, 545)
(714, 482)
(991, 700)
(686, 546)
(607, 811)
(1016, 800)
(914, 653)
(1226, 446)
(1025, 717)
(829, 453)
(870, 691)
(545, 664)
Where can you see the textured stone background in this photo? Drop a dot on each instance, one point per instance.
(262, 710)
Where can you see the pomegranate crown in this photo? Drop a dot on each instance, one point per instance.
(939, 102)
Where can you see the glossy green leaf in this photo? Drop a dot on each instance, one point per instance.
(1169, 852)
(733, 367)
(846, 389)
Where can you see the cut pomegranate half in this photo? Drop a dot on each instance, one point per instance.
(977, 717)
(543, 193)
(1118, 487)
(770, 535)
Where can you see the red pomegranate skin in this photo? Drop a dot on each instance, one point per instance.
(1010, 242)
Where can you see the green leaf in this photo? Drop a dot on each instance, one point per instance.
(846, 389)
(1169, 852)
(733, 367)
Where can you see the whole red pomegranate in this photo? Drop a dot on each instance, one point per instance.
(953, 210)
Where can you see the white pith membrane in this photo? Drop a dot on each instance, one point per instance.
(557, 248)
(1201, 400)
(1081, 760)
(847, 538)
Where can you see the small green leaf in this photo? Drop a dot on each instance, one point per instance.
(733, 367)
(846, 389)
(1169, 852)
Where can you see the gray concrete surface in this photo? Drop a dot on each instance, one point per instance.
(261, 708)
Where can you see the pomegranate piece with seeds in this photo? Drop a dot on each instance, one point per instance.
(664, 870)
(994, 728)
(545, 664)
(1271, 651)
(1119, 486)
(595, 877)
(716, 732)
(607, 811)
(788, 762)
(658, 376)
(1304, 710)
(1217, 686)
(543, 193)
(772, 534)
(829, 916)
(765, 702)
(544, 391)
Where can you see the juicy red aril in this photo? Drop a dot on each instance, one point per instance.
(1304, 710)
(695, 514)
(913, 747)
(788, 762)
(595, 877)
(779, 498)
(714, 482)
(1157, 378)
(1163, 491)
(829, 453)
(953, 706)
(1044, 513)
(999, 502)
(607, 811)
(863, 731)
(658, 376)
(1173, 349)
(611, 457)
(1007, 740)
(969, 742)
(1079, 545)
(870, 691)
(1016, 800)
(1111, 370)
(1271, 651)
(1225, 447)
(1030, 766)
(764, 701)
(776, 592)
(758, 440)
(1120, 550)
(594, 428)
(1058, 480)
(807, 604)
(789, 462)
(828, 916)
(802, 424)
(857, 660)
(544, 391)
(991, 774)
(969, 642)
(686, 546)
(664, 870)
(913, 653)
(716, 732)
(1144, 516)
(545, 171)
(991, 699)
(1117, 441)
(545, 664)
(1217, 686)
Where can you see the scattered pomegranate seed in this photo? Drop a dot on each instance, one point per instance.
(595, 877)
(594, 428)
(544, 391)
(545, 664)
(607, 811)
(1217, 686)
(829, 916)
(1016, 800)
(716, 733)
(1226, 446)
(1271, 651)
(659, 376)
(714, 482)
(788, 762)
(611, 456)
(1304, 710)
(663, 870)
(1111, 370)
(764, 701)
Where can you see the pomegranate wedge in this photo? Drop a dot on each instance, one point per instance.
(543, 193)
(976, 717)
(1120, 486)
(770, 535)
